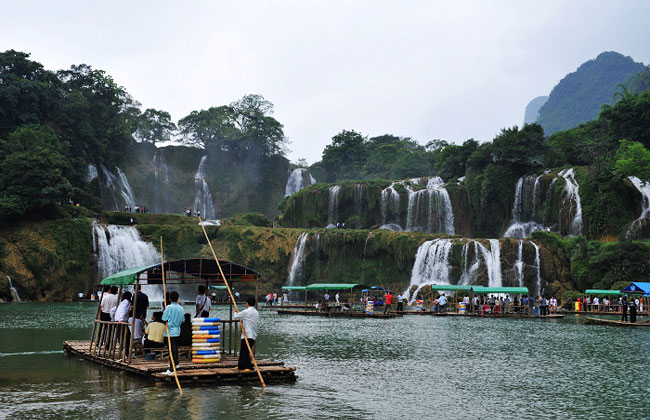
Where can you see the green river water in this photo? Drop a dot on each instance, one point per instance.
(412, 367)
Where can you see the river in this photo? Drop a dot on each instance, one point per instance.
(411, 367)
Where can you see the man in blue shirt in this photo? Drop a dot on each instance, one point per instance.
(173, 315)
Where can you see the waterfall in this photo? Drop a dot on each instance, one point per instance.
(92, 172)
(539, 271)
(390, 209)
(14, 292)
(298, 179)
(524, 208)
(298, 260)
(644, 188)
(120, 183)
(203, 200)
(161, 176)
(492, 258)
(431, 265)
(573, 197)
(429, 209)
(119, 248)
(468, 276)
(519, 264)
(333, 206)
(358, 198)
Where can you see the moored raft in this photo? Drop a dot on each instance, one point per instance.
(615, 323)
(335, 314)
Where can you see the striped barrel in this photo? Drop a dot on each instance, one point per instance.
(215, 360)
(204, 352)
(206, 320)
(420, 306)
(370, 307)
(204, 327)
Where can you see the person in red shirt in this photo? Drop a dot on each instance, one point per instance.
(388, 301)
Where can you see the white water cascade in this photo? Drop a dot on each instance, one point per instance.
(333, 206)
(538, 265)
(470, 270)
(644, 189)
(161, 183)
(492, 258)
(14, 292)
(298, 179)
(358, 199)
(429, 209)
(431, 266)
(120, 183)
(390, 209)
(120, 247)
(298, 260)
(92, 172)
(524, 209)
(519, 264)
(203, 200)
(573, 197)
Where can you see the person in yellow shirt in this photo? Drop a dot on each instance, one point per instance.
(154, 332)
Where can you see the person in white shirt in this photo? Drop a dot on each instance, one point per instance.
(251, 319)
(107, 307)
(596, 303)
(122, 311)
(327, 297)
(337, 297)
(203, 304)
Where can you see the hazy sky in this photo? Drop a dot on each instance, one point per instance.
(421, 69)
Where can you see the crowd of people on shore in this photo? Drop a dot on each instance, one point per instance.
(500, 304)
(276, 299)
(135, 209)
(188, 212)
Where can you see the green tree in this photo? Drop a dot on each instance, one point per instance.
(32, 173)
(633, 159)
(522, 149)
(345, 156)
(154, 126)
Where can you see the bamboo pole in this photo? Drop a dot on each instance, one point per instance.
(232, 298)
(169, 340)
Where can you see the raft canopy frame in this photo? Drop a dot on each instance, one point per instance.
(637, 288)
(603, 292)
(334, 286)
(479, 289)
(196, 270)
(294, 288)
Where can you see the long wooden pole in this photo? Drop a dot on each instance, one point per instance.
(169, 340)
(232, 298)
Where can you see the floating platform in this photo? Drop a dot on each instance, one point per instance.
(484, 315)
(602, 321)
(220, 373)
(335, 314)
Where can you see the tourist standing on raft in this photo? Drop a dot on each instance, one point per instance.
(203, 304)
(388, 299)
(173, 315)
(624, 308)
(251, 319)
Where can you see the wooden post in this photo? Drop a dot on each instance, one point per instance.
(92, 335)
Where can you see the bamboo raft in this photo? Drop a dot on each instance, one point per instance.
(221, 373)
(602, 321)
(333, 314)
(484, 315)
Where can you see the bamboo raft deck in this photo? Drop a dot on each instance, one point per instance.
(334, 314)
(221, 373)
(612, 322)
(483, 315)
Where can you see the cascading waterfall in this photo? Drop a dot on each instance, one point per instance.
(470, 270)
(390, 209)
(203, 200)
(13, 291)
(519, 264)
(120, 183)
(298, 179)
(573, 197)
(358, 197)
(431, 266)
(539, 270)
(333, 206)
(492, 258)
(430, 209)
(644, 189)
(92, 172)
(524, 209)
(119, 248)
(298, 260)
(161, 183)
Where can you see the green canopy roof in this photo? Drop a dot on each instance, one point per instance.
(333, 286)
(220, 287)
(511, 290)
(125, 277)
(449, 287)
(293, 288)
(603, 292)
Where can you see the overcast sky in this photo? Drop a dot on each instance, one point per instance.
(422, 69)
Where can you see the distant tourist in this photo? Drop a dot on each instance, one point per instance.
(388, 299)
(624, 308)
(400, 302)
(250, 319)
(633, 305)
(595, 304)
(327, 297)
(554, 304)
(336, 296)
(237, 295)
(442, 303)
(203, 304)
(506, 305)
(285, 298)
(173, 315)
